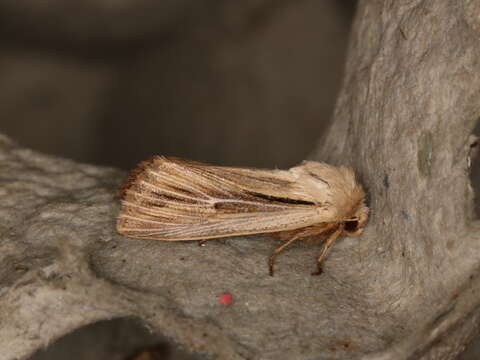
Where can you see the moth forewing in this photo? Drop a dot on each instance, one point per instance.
(172, 199)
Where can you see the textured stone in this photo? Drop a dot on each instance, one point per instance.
(64, 266)
(406, 113)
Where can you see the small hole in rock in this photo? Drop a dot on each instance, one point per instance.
(473, 162)
(117, 339)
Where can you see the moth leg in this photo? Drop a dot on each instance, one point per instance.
(271, 259)
(325, 248)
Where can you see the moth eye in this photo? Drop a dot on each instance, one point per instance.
(351, 225)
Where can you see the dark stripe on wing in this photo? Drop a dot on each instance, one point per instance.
(280, 199)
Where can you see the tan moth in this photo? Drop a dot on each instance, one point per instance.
(171, 199)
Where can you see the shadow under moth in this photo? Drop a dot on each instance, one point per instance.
(171, 199)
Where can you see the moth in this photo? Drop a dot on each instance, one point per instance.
(171, 199)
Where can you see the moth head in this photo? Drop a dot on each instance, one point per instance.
(353, 226)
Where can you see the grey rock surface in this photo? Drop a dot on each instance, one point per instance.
(64, 266)
(404, 120)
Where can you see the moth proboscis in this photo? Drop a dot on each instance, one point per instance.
(170, 199)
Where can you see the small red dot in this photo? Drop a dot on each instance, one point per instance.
(225, 298)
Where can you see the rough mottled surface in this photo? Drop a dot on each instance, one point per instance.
(407, 289)
(64, 266)
(404, 118)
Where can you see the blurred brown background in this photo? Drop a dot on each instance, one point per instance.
(248, 83)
